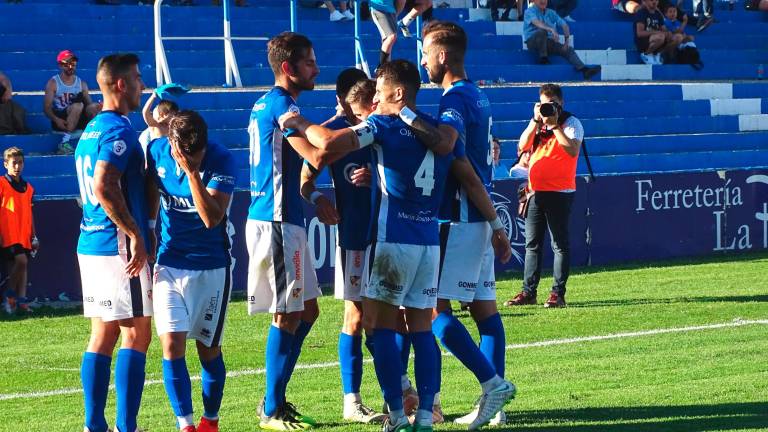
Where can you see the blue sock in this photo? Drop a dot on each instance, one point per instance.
(129, 384)
(403, 341)
(493, 342)
(298, 340)
(213, 376)
(369, 343)
(94, 372)
(425, 357)
(457, 340)
(389, 377)
(178, 386)
(351, 362)
(438, 366)
(278, 350)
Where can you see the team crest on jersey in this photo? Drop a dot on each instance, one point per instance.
(119, 147)
(354, 281)
(296, 292)
(294, 109)
(258, 106)
(452, 114)
(161, 172)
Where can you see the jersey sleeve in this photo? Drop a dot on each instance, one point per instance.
(453, 112)
(116, 147)
(224, 172)
(368, 131)
(573, 129)
(151, 159)
(281, 105)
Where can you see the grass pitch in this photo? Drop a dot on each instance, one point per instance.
(685, 350)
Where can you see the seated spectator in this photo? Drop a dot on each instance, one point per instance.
(494, 6)
(500, 167)
(67, 101)
(687, 52)
(564, 8)
(627, 6)
(17, 228)
(156, 119)
(12, 115)
(342, 14)
(542, 38)
(651, 35)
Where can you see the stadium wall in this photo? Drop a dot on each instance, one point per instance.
(615, 219)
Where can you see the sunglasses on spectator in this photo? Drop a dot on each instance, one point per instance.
(68, 63)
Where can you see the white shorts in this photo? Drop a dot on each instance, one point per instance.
(281, 276)
(192, 301)
(108, 293)
(467, 269)
(404, 275)
(351, 273)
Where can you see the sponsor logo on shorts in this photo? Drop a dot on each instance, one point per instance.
(107, 304)
(296, 292)
(357, 259)
(149, 294)
(297, 264)
(205, 332)
(469, 286)
(213, 303)
(89, 299)
(354, 281)
(429, 292)
(489, 284)
(251, 299)
(389, 286)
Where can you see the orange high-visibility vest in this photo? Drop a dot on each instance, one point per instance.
(15, 214)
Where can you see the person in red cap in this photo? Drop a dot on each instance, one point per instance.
(67, 101)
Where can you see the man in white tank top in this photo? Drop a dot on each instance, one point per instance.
(67, 102)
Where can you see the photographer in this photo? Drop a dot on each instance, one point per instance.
(553, 138)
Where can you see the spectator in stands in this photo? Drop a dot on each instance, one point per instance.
(542, 38)
(17, 228)
(687, 52)
(564, 8)
(651, 35)
(67, 101)
(341, 14)
(681, 16)
(12, 115)
(702, 12)
(384, 14)
(500, 167)
(157, 119)
(554, 138)
(494, 5)
(627, 6)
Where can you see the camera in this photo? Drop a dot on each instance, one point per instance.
(549, 109)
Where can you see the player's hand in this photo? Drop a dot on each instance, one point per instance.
(361, 177)
(152, 251)
(501, 246)
(138, 257)
(285, 120)
(554, 35)
(326, 213)
(190, 164)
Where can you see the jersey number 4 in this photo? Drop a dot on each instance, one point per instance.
(84, 169)
(425, 175)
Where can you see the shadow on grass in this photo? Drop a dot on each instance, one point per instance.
(652, 301)
(43, 312)
(688, 418)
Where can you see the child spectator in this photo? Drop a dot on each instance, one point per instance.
(687, 52)
(156, 119)
(652, 36)
(17, 228)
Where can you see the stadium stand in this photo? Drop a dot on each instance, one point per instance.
(716, 118)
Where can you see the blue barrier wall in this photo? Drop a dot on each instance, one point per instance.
(616, 219)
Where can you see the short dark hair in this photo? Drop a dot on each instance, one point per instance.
(115, 66)
(347, 79)
(450, 37)
(166, 107)
(401, 72)
(551, 90)
(361, 92)
(189, 131)
(287, 46)
(670, 6)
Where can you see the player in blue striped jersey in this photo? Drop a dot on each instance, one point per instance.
(112, 248)
(195, 179)
(281, 277)
(468, 239)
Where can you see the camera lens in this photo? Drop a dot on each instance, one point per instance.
(548, 109)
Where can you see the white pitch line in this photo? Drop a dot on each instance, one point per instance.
(738, 322)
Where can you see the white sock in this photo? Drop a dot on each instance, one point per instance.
(395, 415)
(437, 399)
(491, 383)
(405, 383)
(423, 418)
(351, 398)
(185, 421)
(406, 21)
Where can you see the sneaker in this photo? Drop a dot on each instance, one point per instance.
(23, 309)
(437, 414)
(410, 401)
(569, 19)
(499, 419)
(420, 428)
(492, 402)
(348, 15)
(522, 298)
(190, 428)
(9, 305)
(658, 59)
(281, 421)
(293, 412)
(401, 425)
(404, 29)
(208, 425)
(360, 413)
(555, 300)
(703, 23)
(589, 72)
(648, 59)
(336, 16)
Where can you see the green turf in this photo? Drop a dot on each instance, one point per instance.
(703, 380)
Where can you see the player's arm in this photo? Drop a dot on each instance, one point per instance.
(146, 111)
(470, 182)
(106, 179)
(330, 140)
(211, 203)
(440, 140)
(325, 210)
(152, 194)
